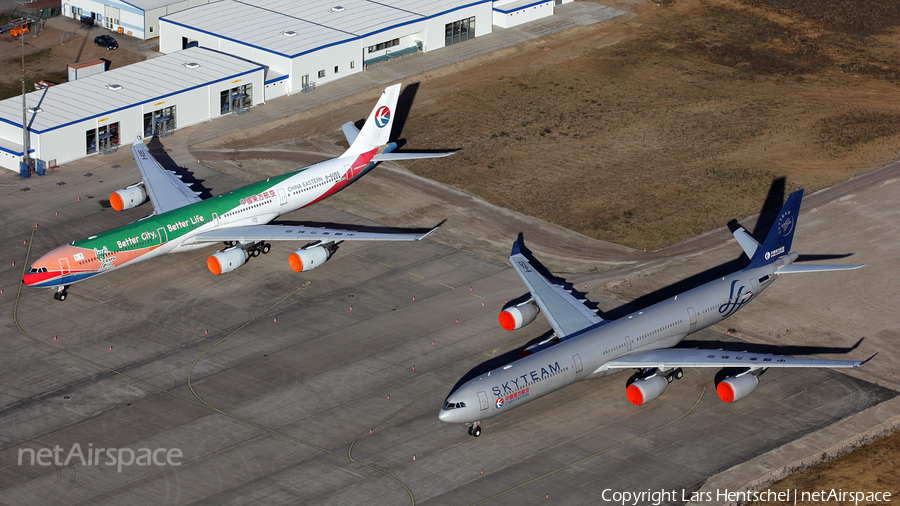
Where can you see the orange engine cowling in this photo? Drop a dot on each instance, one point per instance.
(516, 317)
(226, 261)
(735, 388)
(308, 259)
(126, 198)
(645, 390)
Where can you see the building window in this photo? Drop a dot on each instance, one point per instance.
(352, 64)
(321, 74)
(335, 69)
(459, 31)
(384, 45)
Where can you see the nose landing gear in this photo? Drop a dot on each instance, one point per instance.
(475, 429)
(60, 294)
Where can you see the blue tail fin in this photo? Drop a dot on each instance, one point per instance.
(780, 237)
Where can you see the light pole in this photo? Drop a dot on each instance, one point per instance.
(26, 162)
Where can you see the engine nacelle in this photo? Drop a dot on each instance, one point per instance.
(309, 258)
(645, 390)
(516, 317)
(126, 198)
(226, 261)
(735, 388)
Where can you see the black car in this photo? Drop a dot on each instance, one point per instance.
(106, 41)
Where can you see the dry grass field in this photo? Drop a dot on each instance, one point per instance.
(687, 120)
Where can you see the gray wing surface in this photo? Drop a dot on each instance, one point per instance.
(165, 190)
(564, 312)
(689, 357)
(301, 233)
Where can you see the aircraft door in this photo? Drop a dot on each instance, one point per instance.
(628, 342)
(215, 217)
(482, 399)
(578, 366)
(693, 317)
(282, 197)
(163, 235)
(64, 266)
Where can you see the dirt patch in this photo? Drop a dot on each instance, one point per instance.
(49, 52)
(878, 459)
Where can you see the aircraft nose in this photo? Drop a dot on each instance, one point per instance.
(444, 415)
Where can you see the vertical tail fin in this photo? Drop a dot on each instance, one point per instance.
(377, 130)
(781, 235)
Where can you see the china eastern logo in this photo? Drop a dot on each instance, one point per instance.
(499, 403)
(382, 116)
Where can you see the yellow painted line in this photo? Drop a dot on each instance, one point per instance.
(360, 256)
(579, 461)
(479, 296)
(199, 401)
(448, 286)
(386, 265)
(416, 275)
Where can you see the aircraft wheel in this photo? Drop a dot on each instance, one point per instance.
(470, 430)
(476, 431)
(56, 296)
(670, 378)
(679, 373)
(62, 296)
(266, 248)
(254, 253)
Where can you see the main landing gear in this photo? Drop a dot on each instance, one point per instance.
(475, 429)
(255, 249)
(677, 374)
(60, 294)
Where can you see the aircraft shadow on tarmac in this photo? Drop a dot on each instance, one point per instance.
(767, 216)
(159, 153)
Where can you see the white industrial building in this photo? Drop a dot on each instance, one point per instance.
(97, 113)
(309, 43)
(510, 13)
(135, 18)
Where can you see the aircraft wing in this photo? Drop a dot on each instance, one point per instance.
(251, 233)
(691, 357)
(564, 312)
(165, 190)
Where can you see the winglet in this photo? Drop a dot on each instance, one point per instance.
(515, 249)
(866, 360)
(433, 230)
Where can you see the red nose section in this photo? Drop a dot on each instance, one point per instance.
(38, 277)
(725, 392)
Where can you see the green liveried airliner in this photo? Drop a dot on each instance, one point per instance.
(182, 221)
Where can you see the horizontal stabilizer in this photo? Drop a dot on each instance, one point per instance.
(747, 242)
(794, 268)
(386, 157)
(350, 131)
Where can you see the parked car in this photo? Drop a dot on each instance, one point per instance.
(106, 41)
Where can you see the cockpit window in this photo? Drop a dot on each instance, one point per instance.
(454, 405)
(35, 270)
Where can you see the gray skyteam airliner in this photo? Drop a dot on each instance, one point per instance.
(586, 347)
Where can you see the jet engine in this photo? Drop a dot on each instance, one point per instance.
(734, 388)
(644, 390)
(227, 260)
(518, 316)
(127, 198)
(307, 259)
